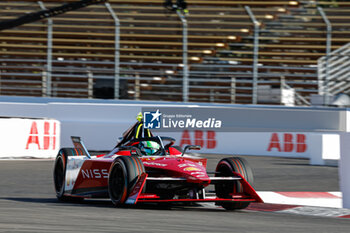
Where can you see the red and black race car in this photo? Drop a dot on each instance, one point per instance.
(143, 168)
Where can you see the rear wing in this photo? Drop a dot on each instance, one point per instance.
(79, 145)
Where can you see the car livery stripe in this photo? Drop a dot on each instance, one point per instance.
(76, 151)
(80, 151)
(73, 151)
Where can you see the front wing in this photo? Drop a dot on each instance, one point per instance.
(249, 194)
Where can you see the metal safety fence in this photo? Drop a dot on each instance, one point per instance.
(269, 60)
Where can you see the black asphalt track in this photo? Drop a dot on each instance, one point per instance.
(28, 203)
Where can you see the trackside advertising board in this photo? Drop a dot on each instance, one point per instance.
(247, 143)
(29, 138)
(216, 131)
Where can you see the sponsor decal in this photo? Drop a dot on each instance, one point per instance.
(191, 169)
(287, 142)
(197, 173)
(204, 139)
(49, 136)
(73, 168)
(152, 120)
(155, 164)
(94, 173)
(152, 158)
(192, 123)
(170, 119)
(187, 165)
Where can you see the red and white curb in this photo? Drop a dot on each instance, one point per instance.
(320, 199)
(300, 210)
(26, 159)
(323, 204)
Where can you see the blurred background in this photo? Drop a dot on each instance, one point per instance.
(292, 53)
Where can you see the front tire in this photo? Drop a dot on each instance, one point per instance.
(124, 172)
(226, 167)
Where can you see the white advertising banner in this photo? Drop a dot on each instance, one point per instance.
(29, 138)
(247, 143)
(321, 148)
(270, 131)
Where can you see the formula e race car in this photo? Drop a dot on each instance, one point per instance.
(143, 168)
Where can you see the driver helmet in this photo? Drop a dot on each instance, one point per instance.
(149, 147)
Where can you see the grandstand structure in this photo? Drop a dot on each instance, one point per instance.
(136, 47)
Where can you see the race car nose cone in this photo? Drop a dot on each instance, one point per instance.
(197, 175)
(196, 179)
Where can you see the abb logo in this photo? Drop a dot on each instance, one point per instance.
(290, 143)
(204, 139)
(49, 136)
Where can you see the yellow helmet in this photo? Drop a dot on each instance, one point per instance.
(139, 117)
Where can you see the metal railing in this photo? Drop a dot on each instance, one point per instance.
(334, 72)
(216, 78)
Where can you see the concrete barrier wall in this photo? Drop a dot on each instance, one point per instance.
(257, 130)
(263, 130)
(344, 164)
(248, 143)
(321, 148)
(325, 149)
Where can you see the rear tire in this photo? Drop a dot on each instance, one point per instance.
(226, 167)
(124, 172)
(59, 174)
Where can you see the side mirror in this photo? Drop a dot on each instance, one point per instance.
(190, 147)
(131, 149)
